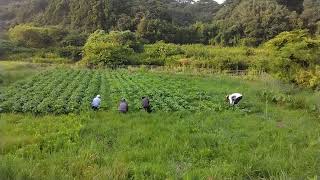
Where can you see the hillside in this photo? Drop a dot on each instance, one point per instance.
(254, 20)
(92, 14)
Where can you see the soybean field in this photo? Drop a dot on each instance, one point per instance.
(63, 91)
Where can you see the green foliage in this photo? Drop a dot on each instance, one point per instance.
(294, 5)
(107, 55)
(161, 53)
(70, 52)
(111, 49)
(309, 78)
(36, 37)
(258, 19)
(216, 58)
(228, 144)
(182, 21)
(296, 57)
(155, 29)
(74, 39)
(285, 38)
(71, 91)
(63, 55)
(2, 78)
(202, 56)
(311, 15)
(6, 47)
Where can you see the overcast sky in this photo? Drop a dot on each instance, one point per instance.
(220, 1)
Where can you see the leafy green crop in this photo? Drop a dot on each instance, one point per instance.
(65, 91)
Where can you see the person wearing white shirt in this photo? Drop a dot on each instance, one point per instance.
(96, 103)
(234, 98)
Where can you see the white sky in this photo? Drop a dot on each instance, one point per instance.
(220, 1)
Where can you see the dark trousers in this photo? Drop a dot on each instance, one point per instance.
(236, 101)
(147, 109)
(95, 108)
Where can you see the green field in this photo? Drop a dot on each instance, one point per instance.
(49, 132)
(186, 57)
(64, 91)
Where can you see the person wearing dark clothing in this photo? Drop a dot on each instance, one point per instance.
(123, 106)
(146, 104)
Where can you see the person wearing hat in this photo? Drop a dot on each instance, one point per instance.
(123, 106)
(234, 98)
(96, 103)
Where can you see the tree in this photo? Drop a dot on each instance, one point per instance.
(258, 19)
(292, 5)
(155, 29)
(311, 15)
(296, 54)
(110, 49)
(37, 37)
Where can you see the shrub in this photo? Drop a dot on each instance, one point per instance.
(74, 39)
(126, 38)
(37, 37)
(1, 78)
(109, 55)
(220, 58)
(249, 42)
(6, 47)
(70, 52)
(285, 38)
(295, 56)
(113, 49)
(117, 37)
(161, 53)
(309, 78)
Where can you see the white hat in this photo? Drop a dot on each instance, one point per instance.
(98, 96)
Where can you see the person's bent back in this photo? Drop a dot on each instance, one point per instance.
(146, 104)
(123, 106)
(96, 102)
(234, 98)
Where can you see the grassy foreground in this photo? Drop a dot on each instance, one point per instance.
(272, 138)
(109, 145)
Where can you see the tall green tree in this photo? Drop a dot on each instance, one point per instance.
(311, 15)
(292, 5)
(258, 19)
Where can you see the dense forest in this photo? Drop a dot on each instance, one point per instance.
(280, 37)
(178, 21)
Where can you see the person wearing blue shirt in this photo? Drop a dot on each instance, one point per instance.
(96, 103)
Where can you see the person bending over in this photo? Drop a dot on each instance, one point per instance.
(234, 98)
(146, 104)
(123, 106)
(96, 103)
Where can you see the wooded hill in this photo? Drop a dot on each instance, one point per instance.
(249, 22)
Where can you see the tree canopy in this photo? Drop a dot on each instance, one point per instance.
(177, 21)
